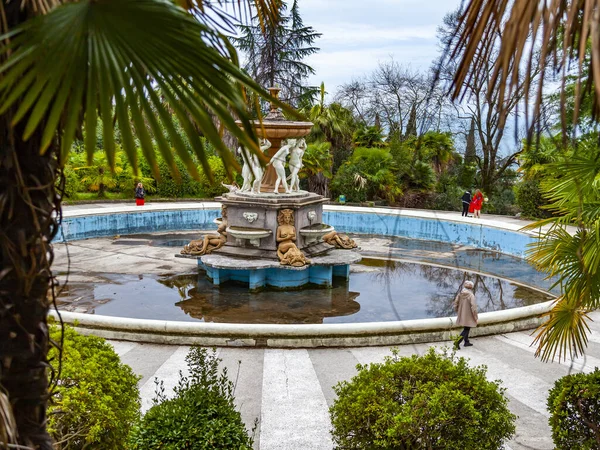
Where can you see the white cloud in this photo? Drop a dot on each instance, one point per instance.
(346, 34)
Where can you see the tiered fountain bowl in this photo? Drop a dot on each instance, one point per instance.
(250, 253)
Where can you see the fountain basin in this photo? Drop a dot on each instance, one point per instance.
(258, 273)
(314, 233)
(253, 235)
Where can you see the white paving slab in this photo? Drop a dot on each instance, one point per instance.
(122, 347)
(521, 385)
(294, 411)
(168, 372)
(523, 341)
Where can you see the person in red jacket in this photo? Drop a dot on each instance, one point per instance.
(476, 203)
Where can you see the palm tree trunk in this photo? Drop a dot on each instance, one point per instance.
(28, 222)
(27, 225)
(319, 184)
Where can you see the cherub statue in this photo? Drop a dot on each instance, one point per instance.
(296, 154)
(339, 240)
(278, 162)
(210, 242)
(287, 251)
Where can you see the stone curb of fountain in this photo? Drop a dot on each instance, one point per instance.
(303, 335)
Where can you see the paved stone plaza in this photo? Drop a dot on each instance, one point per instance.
(289, 391)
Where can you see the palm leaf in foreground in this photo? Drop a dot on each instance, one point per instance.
(558, 33)
(89, 58)
(569, 252)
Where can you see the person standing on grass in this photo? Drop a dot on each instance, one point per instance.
(467, 317)
(477, 202)
(140, 193)
(466, 201)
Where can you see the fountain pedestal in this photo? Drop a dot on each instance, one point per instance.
(253, 215)
(259, 273)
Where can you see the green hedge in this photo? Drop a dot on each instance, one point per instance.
(421, 402)
(96, 402)
(574, 405)
(529, 199)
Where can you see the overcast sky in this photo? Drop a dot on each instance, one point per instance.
(359, 34)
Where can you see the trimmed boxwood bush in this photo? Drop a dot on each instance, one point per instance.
(421, 402)
(201, 416)
(529, 198)
(97, 401)
(574, 405)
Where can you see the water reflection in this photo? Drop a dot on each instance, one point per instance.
(378, 290)
(444, 283)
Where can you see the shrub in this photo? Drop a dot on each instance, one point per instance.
(368, 175)
(201, 416)
(431, 401)
(171, 187)
(574, 405)
(97, 398)
(501, 202)
(72, 183)
(529, 199)
(215, 187)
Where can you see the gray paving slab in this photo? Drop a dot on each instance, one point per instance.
(146, 359)
(245, 369)
(331, 368)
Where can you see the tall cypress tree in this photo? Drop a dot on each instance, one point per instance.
(411, 127)
(275, 54)
(470, 152)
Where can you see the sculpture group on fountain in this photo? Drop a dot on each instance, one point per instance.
(210, 242)
(287, 251)
(252, 171)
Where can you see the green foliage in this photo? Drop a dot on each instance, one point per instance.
(574, 406)
(422, 176)
(368, 175)
(214, 187)
(432, 147)
(368, 137)
(316, 159)
(96, 401)
(94, 69)
(172, 186)
(572, 257)
(421, 402)
(276, 54)
(502, 202)
(201, 416)
(529, 199)
(72, 182)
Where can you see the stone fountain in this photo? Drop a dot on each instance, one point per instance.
(271, 232)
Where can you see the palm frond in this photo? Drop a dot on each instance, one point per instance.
(516, 35)
(110, 56)
(564, 333)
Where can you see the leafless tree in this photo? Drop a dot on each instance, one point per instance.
(482, 104)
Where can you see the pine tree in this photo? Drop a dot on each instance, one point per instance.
(274, 56)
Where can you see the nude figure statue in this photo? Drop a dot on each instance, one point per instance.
(296, 154)
(278, 162)
(210, 242)
(287, 251)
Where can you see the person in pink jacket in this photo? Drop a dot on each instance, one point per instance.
(466, 309)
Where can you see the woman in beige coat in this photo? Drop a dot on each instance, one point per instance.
(467, 317)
